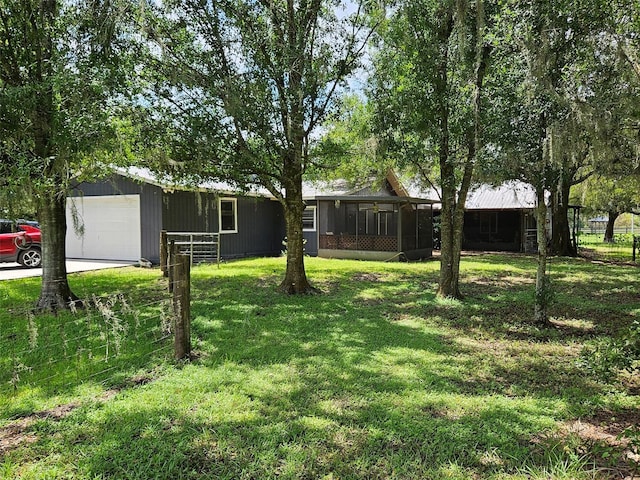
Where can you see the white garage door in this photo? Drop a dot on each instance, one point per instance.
(111, 227)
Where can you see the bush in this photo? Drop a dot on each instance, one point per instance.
(609, 357)
(623, 238)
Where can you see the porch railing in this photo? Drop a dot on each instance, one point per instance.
(372, 243)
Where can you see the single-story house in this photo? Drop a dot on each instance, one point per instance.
(121, 218)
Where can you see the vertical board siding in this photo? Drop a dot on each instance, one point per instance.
(260, 229)
(311, 245)
(150, 208)
(189, 212)
(260, 222)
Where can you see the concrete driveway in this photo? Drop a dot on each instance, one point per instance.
(12, 271)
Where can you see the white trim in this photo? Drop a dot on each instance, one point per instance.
(314, 209)
(234, 202)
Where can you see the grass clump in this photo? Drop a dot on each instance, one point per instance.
(374, 378)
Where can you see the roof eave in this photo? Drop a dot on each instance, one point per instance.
(370, 199)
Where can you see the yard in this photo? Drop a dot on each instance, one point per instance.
(593, 246)
(374, 378)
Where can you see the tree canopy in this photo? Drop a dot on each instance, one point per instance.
(243, 88)
(430, 69)
(61, 66)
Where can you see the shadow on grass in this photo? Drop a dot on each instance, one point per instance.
(381, 338)
(373, 379)
(289, 433)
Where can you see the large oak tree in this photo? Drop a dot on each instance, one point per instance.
(243, 88)
(558, 95)
(59, 64)
(427, 89)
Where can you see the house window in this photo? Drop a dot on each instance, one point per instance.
(309, 219)
(228, 215)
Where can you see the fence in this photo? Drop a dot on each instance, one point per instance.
(107, 340)
(600, 230)
(624, 248)
(200, 246)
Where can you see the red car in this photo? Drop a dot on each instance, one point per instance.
(20, 243)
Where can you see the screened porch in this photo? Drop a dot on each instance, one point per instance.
(375, 228)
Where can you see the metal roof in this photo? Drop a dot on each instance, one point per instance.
(508, 196)
(374, 199)
(166, 182)
(310, 190)
(513, 195)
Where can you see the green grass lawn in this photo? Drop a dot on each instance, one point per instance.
(593, 246)
(374, 378)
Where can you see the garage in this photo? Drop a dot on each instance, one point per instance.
(110, 225)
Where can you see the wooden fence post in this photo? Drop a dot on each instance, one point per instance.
(171, 263)
(163, 253)
(182, 306)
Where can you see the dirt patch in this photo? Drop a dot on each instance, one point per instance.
(367, 277)
(499, 281)
(604, 439)
(598, 258)
(614, 423)
(16, 433)
(573, 327)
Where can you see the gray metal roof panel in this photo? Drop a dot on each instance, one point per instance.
(508, 196)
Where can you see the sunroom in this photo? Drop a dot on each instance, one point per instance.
(375, 227)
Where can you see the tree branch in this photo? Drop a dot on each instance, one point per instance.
(583, 178)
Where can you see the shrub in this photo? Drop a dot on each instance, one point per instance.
(606, 358)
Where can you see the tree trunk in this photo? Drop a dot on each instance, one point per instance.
(448, 285)
(55, 293)
(560, 233)
(608, 232)
(458, 210)
(295, 279)
(449, 264)
(458, 225)
(543, 287)
(452, 215)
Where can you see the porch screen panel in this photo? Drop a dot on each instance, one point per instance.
(388, 220)
(351, 219)
(366, 219)
(326, 217)
(409, 228)
(425, 233)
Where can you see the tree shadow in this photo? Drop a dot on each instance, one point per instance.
(304, 432)
(364, 381)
